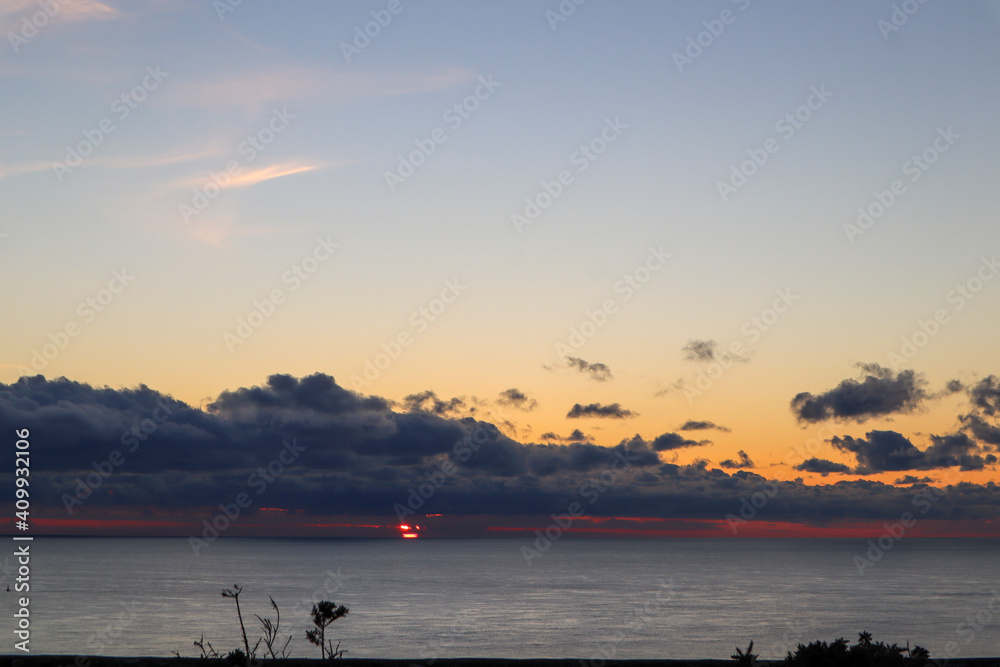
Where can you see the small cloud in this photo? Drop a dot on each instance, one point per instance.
(427, 401)
(612, 411)
(878, 392)
(671, 441)
(823, 467)
(262, 174)
(576, 436)
(691, 425)
(743, 462)
(515, 398)
(906, 480)
(677, 385)
(597, 371)
(985, 396)
(707, 350)
(700, 350)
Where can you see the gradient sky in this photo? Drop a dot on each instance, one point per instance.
(555, 86)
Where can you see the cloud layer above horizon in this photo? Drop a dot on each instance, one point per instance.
(361, 455)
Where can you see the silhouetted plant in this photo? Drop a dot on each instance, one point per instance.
(236, 657)
(323, 614)
(271, 631)
(334, 653)
(866, 653)
(206, 653)
(820, 654)
(748, 658)
(234, 593)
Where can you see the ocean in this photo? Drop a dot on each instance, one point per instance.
(590, 599)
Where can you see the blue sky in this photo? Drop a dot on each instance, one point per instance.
(554, 87)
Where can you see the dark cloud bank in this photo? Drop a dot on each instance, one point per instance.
(358, 455)
(879, 393)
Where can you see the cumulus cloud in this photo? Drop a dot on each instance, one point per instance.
(981, 429)
(985, 396)
(984, 399)
(884, 451)
(576, 436)
(671, 441)
(743, 461)
(691, 425)
(612, 411)
(700, 350)
(596, 371)
(907, 480)
(878, 392)
(823, 467)
(515, 398)
(428, 401)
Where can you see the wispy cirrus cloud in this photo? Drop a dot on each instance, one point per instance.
(254, 90)
(247, 177)
(13, 11)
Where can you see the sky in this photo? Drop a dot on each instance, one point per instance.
(706, 250)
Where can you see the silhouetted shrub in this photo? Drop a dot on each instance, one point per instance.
(323, 614)
(749, 658)
(865, 653)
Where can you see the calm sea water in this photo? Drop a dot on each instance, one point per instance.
(452, 598)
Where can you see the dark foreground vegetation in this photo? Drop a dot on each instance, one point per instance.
(69, 661)
(269, 649)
